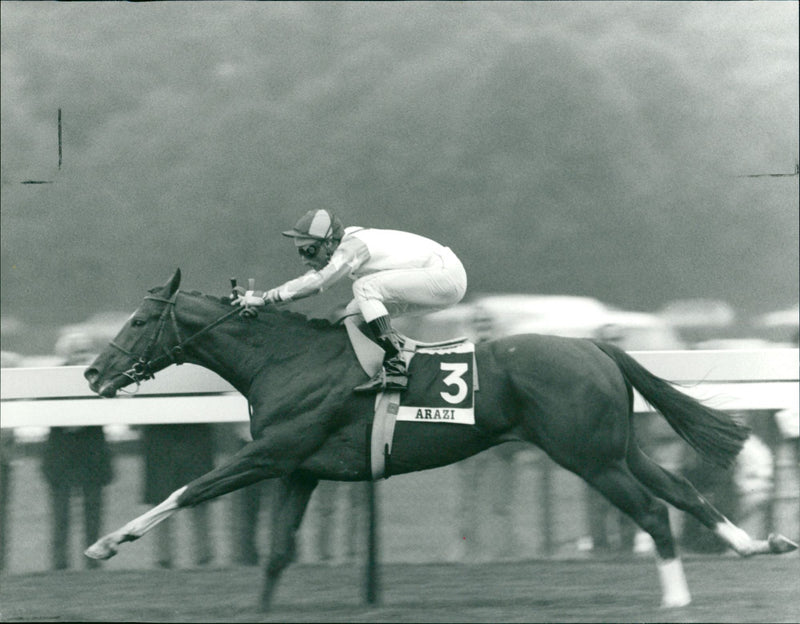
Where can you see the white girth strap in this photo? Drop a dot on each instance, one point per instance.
(387, 404)
(386, 407)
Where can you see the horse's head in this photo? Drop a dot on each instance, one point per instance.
(145, 344)
(172, 327)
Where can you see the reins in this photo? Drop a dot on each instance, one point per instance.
(145, 366)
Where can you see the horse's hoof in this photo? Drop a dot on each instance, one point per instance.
(102, 549)
(778, 544)
(677, 601)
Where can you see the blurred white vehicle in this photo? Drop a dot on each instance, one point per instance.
(101, 327)
(561, 315)
(788, 317)
(10, 359)
(780, 325)
(696, 313)
(740, 343)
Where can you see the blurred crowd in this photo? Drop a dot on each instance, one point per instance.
(78, 464)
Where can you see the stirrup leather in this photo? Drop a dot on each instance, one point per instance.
(391, 376)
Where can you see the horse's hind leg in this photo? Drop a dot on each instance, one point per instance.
(680, 493)
(292, 496)
(619, 486)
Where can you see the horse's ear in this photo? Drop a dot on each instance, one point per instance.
(173, 283)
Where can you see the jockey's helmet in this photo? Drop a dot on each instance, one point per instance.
(319, 225)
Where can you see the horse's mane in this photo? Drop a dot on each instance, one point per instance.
(267, 313)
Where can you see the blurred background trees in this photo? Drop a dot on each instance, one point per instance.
(593, 150)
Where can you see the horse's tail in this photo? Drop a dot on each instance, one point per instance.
(711, 432)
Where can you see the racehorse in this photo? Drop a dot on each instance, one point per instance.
(571, 397)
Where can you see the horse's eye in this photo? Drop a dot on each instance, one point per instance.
(137, 322)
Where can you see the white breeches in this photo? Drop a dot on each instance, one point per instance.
(403, 292)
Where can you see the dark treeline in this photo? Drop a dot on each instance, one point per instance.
(593, 150)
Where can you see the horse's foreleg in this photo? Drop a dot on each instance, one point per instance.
(107, 546)
(254, 462)
(292, 496)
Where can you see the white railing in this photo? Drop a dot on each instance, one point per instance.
(46, 397)
(763, 379)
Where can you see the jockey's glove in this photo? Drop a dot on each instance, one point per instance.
(250, 299)
(256, 298)
(237, 292)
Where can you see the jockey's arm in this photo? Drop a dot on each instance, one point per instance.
(349, 255)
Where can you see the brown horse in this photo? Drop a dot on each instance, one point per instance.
(571, 397)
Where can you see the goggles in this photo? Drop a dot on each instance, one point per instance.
(309, 251)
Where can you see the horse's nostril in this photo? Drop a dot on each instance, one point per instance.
(91, 374)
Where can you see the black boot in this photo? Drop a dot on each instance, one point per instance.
(393, 375)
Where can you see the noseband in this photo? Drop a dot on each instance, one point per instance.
(145, 366)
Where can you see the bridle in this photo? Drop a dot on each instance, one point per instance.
(145, 365)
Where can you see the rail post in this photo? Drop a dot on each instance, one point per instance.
(547, 512)
(372, 584)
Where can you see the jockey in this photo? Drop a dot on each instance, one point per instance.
(392, 270)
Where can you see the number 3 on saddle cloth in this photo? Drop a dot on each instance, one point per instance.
(442, 379)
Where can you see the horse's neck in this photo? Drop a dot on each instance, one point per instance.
(235, 362)
(238, 350)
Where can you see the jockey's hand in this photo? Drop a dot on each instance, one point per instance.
(250, 299)
(237, 292)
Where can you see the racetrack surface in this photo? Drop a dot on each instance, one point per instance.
(725, 589)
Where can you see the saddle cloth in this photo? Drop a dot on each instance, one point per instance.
(442, 379)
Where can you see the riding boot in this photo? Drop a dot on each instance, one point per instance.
(393, 375)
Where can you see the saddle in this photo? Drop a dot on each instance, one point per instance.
(370, 354)
(444, 377)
